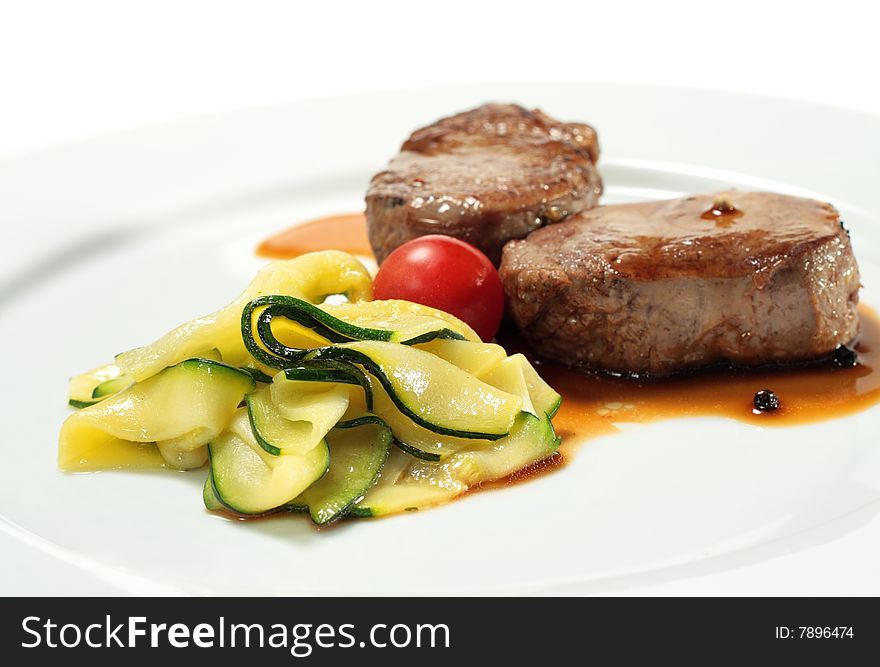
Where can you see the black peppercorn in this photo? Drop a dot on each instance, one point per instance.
(766, 400)
(844, 357)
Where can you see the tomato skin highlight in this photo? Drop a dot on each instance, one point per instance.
(448, 274)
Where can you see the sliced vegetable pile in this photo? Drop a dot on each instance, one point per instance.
(365, 408)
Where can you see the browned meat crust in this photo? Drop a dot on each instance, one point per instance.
(656, 287)
(486, 176)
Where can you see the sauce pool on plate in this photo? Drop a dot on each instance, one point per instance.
(592, 403)
(338, 232)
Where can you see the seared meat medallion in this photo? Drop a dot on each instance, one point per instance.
(485, 176)
(747, 278)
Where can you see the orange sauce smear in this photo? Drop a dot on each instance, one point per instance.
(592, 402)
(338, 232)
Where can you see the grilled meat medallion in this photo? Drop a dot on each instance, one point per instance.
(747, 278)
(485, 176)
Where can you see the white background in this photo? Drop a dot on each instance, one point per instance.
(73, 69)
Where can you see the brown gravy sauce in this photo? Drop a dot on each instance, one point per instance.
(722, 211)
(592, 403)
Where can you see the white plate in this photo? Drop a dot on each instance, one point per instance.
(110, 242)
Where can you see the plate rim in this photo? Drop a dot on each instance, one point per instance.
(173, 125)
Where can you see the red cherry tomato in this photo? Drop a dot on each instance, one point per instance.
(445, 273)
